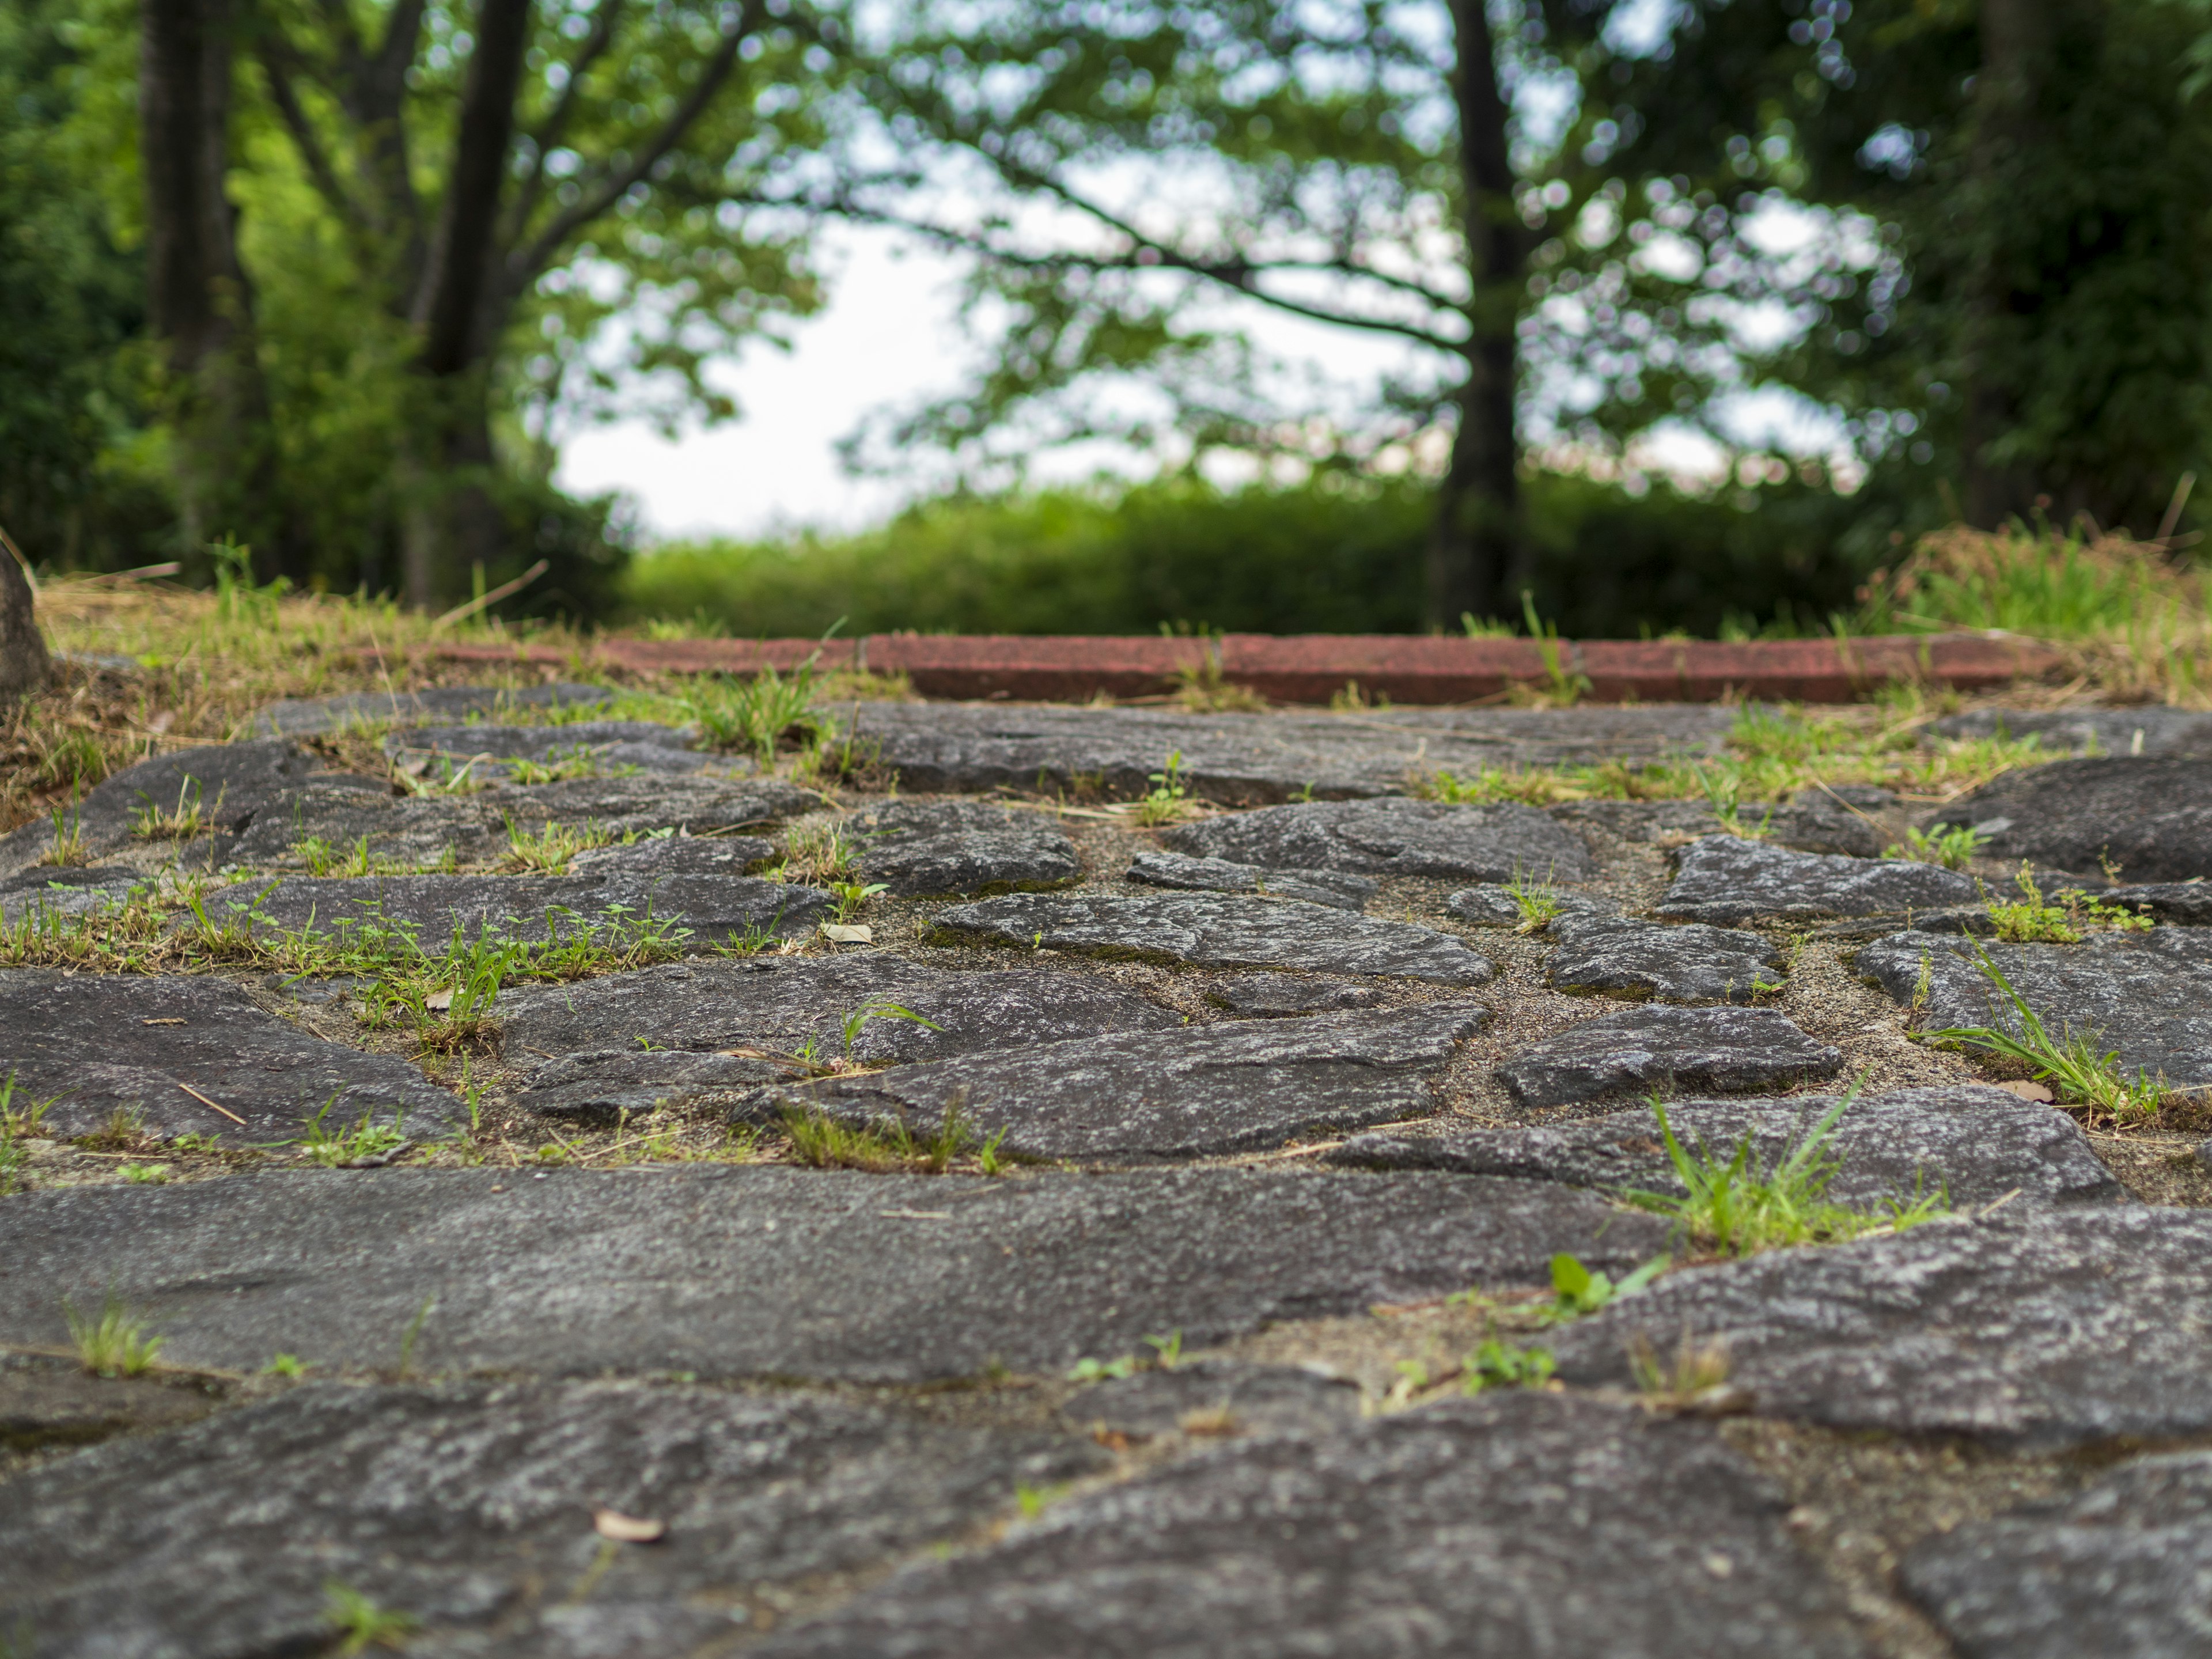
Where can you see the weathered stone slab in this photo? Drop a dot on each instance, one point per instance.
(1972, 1143)
(2089, 731)
(1178, 870)
(2150, 819)
(476, 828)
(1218, 1397)
(2121, 1570)
(1233, 1087)
(1489, 905)
(918, 848)
(1811, 821)
(468, 1508)
(1686, 962)
(765, 1271)
(600, 1086)
(676, 855)
(1726, 1050)
(1393, 838)
(100, 1044)
(230, 783)
(299, 717)
(47, 1400)
(1727, 880)
(1518, 1524)
(1272, 995)
(782, 1003)
(603, 746)
(48, 892)
(1242, 758)
(2146, 997)
(2049, 1328)
(528, 909)
(1216, 931)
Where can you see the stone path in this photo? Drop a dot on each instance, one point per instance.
(598, 1196)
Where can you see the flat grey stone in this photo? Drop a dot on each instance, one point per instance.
(2041, 1328)
(476, 828)
(1972, 1143)
(1810, 821)
(299, 717)
(468, 1507)
(1242, 758)
(1178, 870)
(1518, 1524)
(932, 847)
(1726, 1050)
(48, 892)
(231, 783)
(1393, 838)
(47, 1400)
(761, 1271)
(1685, 962)
(783, 1003)
(686, 855)
(1727, 880)
(2122, 1570)
(99, 1044)
(529, 910)
(2152, 819)
(604, 1084)
(1489, 905)
(2083, 732)
(1216, 931)
(1272, 995)
(2146, 997)
(1233, 1087)
(603, 746)
(1218, 1397)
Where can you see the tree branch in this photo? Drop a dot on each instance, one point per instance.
(547, 135)
(522, 266)
(273, 53)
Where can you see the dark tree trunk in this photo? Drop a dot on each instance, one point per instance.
(453, 520)
(1477, 556)
(2015, 50)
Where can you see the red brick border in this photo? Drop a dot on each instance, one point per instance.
(1311, 668)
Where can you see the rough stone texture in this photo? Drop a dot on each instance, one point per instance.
(2155, 731)
(1811, 821)
(2151, 818)
(605, 745)
(2040, 1328)
(109, 1043)
(1974, 1143)
(299, 717)
(918, 848)
(1271, 995)
(1490, 905)
(528, 907)
(1337, 891)
(1393, 838)
(2184, 903)
(678, 855)
(1221, 1397)
(47, 1400)
(232, 783)
(25, 664)
(1233, 1087)
(1727, 1049)
(1216, 931)
(468, 1506)
(1727, 880)
(1244, 758)
(770, 1271)
(780, 1003)
(600, 1086)
(2146, 997)
(44, 890)
(2124, 1571)
(1688, 962)
(474, 828)
(1516, 1524)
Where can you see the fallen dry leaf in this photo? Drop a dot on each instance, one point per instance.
(840, 933)
(2030, 1091)
(626, 1528)
(439, 1001)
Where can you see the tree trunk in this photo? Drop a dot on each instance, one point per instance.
(454, 520)
(1477, 554)
(25, 668)
(2015, 46)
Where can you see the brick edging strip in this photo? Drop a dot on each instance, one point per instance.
(1311, 668)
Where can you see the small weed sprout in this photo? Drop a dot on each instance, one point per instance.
(1723, 793)
(1099, 1370)
(1953, 847)
(1493, 1363)
(857, 1020)
(547, 852)
(145, 1174)
(112, 1343)
(2071, 1061)
(17, 1125)
(1537, 900)
(1691, 1371)
(1563, 687)
(284, 1364)
(852, 895)
(412, 1333)
(756, 714)
(1164, 803)
(886, 1146)
(1168, 1347)
(2063, 918)
(1578, 1291)
(360, 1624)
(183, 822)
(334, 1148)
(67, 850)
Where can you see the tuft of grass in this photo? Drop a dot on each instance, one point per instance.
(111, 1343)
(547, 852)
(17, 1125)
(1690, 1371)
(1577, 1292)
(182, 822)
(1538, 901)
(1731, 1207)
(1495, 1363)
(360, 1624)
(67, 850)
(819, 854)
(755, 714)
(2070, 1062)
(2033, 920)
(1952, 848)
(334, 1148)
(145, 1174)
(1165, 802)
(884, 1147)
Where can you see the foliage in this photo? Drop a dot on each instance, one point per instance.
(1496, 1364)
(1951, 846)
(1577, 1291)
(2034, 920)
(111, 1343)
(2070, 1061)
